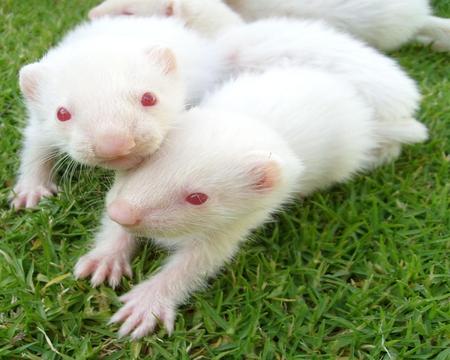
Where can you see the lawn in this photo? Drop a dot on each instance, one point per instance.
(357, 272)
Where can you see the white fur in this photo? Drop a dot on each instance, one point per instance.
(208, 17)
(384, 85)
(251, 146)
(385, 24)
(99, 72)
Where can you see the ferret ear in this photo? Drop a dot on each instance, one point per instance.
(104, 8)
(30, 76)
(95, 12)
(170, 8)
(264, 171)
(164, 57)
(109, 7)
(173, 8)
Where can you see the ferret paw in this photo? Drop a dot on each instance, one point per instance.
(144, 307)
(26, 196)
(103, 266)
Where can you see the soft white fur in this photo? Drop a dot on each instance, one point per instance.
(208, 17)
(101, 69)
(385, 86)
(385, 24)
(99, 72)
(251, 146)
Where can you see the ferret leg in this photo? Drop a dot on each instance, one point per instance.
(35, 173)
(111, 256)
(157, 298)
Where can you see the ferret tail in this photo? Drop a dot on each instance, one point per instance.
(408, 131)
(435, 32)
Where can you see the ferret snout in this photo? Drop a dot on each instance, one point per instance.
(112, 146)
(123, 213)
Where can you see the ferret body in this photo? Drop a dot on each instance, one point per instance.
(385, 86)
(121, 90)
(228, 165)
(384, 24)
(207, 17)
(107, 95)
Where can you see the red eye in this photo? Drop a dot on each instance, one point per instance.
(148, 99)
(63, 114)
(196, 198)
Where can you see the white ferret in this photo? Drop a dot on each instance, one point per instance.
(385, 24)
(208, 17)
(107, 98)
(380, 80)
(222, 171)
(107, 95)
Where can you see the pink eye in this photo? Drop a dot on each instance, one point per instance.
(196, 198)
(63, 114)
(148, 99)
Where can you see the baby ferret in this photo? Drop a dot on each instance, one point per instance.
(107, 95)
(385, 24)
(207, 17)
(223, 170)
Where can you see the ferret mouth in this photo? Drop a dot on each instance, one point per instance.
(122, 162)
(155, 230)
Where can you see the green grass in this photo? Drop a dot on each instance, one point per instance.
(357, 272)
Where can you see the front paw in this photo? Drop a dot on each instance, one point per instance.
(28, 196)
(103, 266)
(143, 307)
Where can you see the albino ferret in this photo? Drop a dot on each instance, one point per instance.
(108, 94)
(385, 24)
(208, 17)
(223, 170)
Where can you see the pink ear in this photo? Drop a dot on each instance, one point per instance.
(169, 9)
(163, 57)
(29, 78)
(265, 173)
(94, 13)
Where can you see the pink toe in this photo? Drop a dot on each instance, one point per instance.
(121, 315)
(146, 327)
(85, 267)
(130, 324)
(115, 275)
(100, 274)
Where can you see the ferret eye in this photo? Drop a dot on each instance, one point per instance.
(148, 99)
(196, 198)
(63, 114)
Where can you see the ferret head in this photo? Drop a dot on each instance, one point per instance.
(135, 7)
(204, 179)
(109, 105)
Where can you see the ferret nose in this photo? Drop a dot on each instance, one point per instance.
(111, 146)
(123, 213)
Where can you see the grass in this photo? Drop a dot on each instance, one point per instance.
(357, 272)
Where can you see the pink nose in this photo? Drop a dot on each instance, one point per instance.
(112, 146)
(123, 213)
